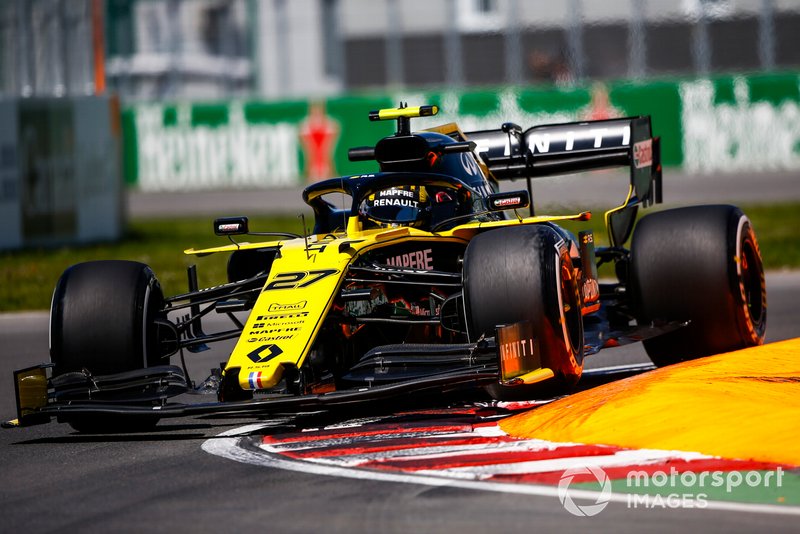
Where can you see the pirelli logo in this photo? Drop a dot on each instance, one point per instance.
(281, 316)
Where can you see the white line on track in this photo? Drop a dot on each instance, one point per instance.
(230, 445)
(618, 459)
(435, 452)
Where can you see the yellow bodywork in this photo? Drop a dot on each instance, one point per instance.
(304, 280)
(288, 313)
(31, 386)
(408, 112)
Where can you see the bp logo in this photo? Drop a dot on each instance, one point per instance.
(565, 494)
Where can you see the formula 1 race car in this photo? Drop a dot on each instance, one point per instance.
(428, 280)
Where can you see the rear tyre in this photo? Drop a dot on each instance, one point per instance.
(699, 264)
(525, 274)
(102, 319)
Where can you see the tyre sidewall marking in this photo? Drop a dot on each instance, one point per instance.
(145, 308)
(744, 231)
(561, 252)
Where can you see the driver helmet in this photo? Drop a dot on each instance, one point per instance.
(398, 206)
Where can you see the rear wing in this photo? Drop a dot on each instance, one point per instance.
(554, 149)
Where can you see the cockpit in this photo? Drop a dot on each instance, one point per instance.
(430, 180)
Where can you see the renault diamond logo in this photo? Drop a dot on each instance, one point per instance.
(265, 353)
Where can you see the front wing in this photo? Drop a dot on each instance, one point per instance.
(436, 372)
(385, 372)
(37, 403)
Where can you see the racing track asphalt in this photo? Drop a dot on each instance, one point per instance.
(162, 481)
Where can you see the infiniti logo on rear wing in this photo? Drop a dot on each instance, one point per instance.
(578, 137)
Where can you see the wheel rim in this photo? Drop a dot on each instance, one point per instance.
(571, 312)
(752, 284)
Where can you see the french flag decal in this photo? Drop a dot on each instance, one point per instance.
(255, 380)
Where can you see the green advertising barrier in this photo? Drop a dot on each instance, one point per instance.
(741, 123)
(722, 124)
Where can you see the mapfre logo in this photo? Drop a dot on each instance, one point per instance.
(277, 307)
(565, 494)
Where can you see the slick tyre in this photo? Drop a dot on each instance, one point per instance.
(700, 265)
(102, 319)
(525, 274)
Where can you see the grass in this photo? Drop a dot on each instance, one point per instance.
(29, 275)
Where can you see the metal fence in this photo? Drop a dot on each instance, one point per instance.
(493, 42)
(47, 47)
(206, 49)
(150, 49)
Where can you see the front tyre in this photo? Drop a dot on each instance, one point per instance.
(699, 264)
(525, 274)
(102, 319)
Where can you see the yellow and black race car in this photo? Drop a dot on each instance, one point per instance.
(427, 280)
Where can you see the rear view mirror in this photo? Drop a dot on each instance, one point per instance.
(508, 201)
(231, 226)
